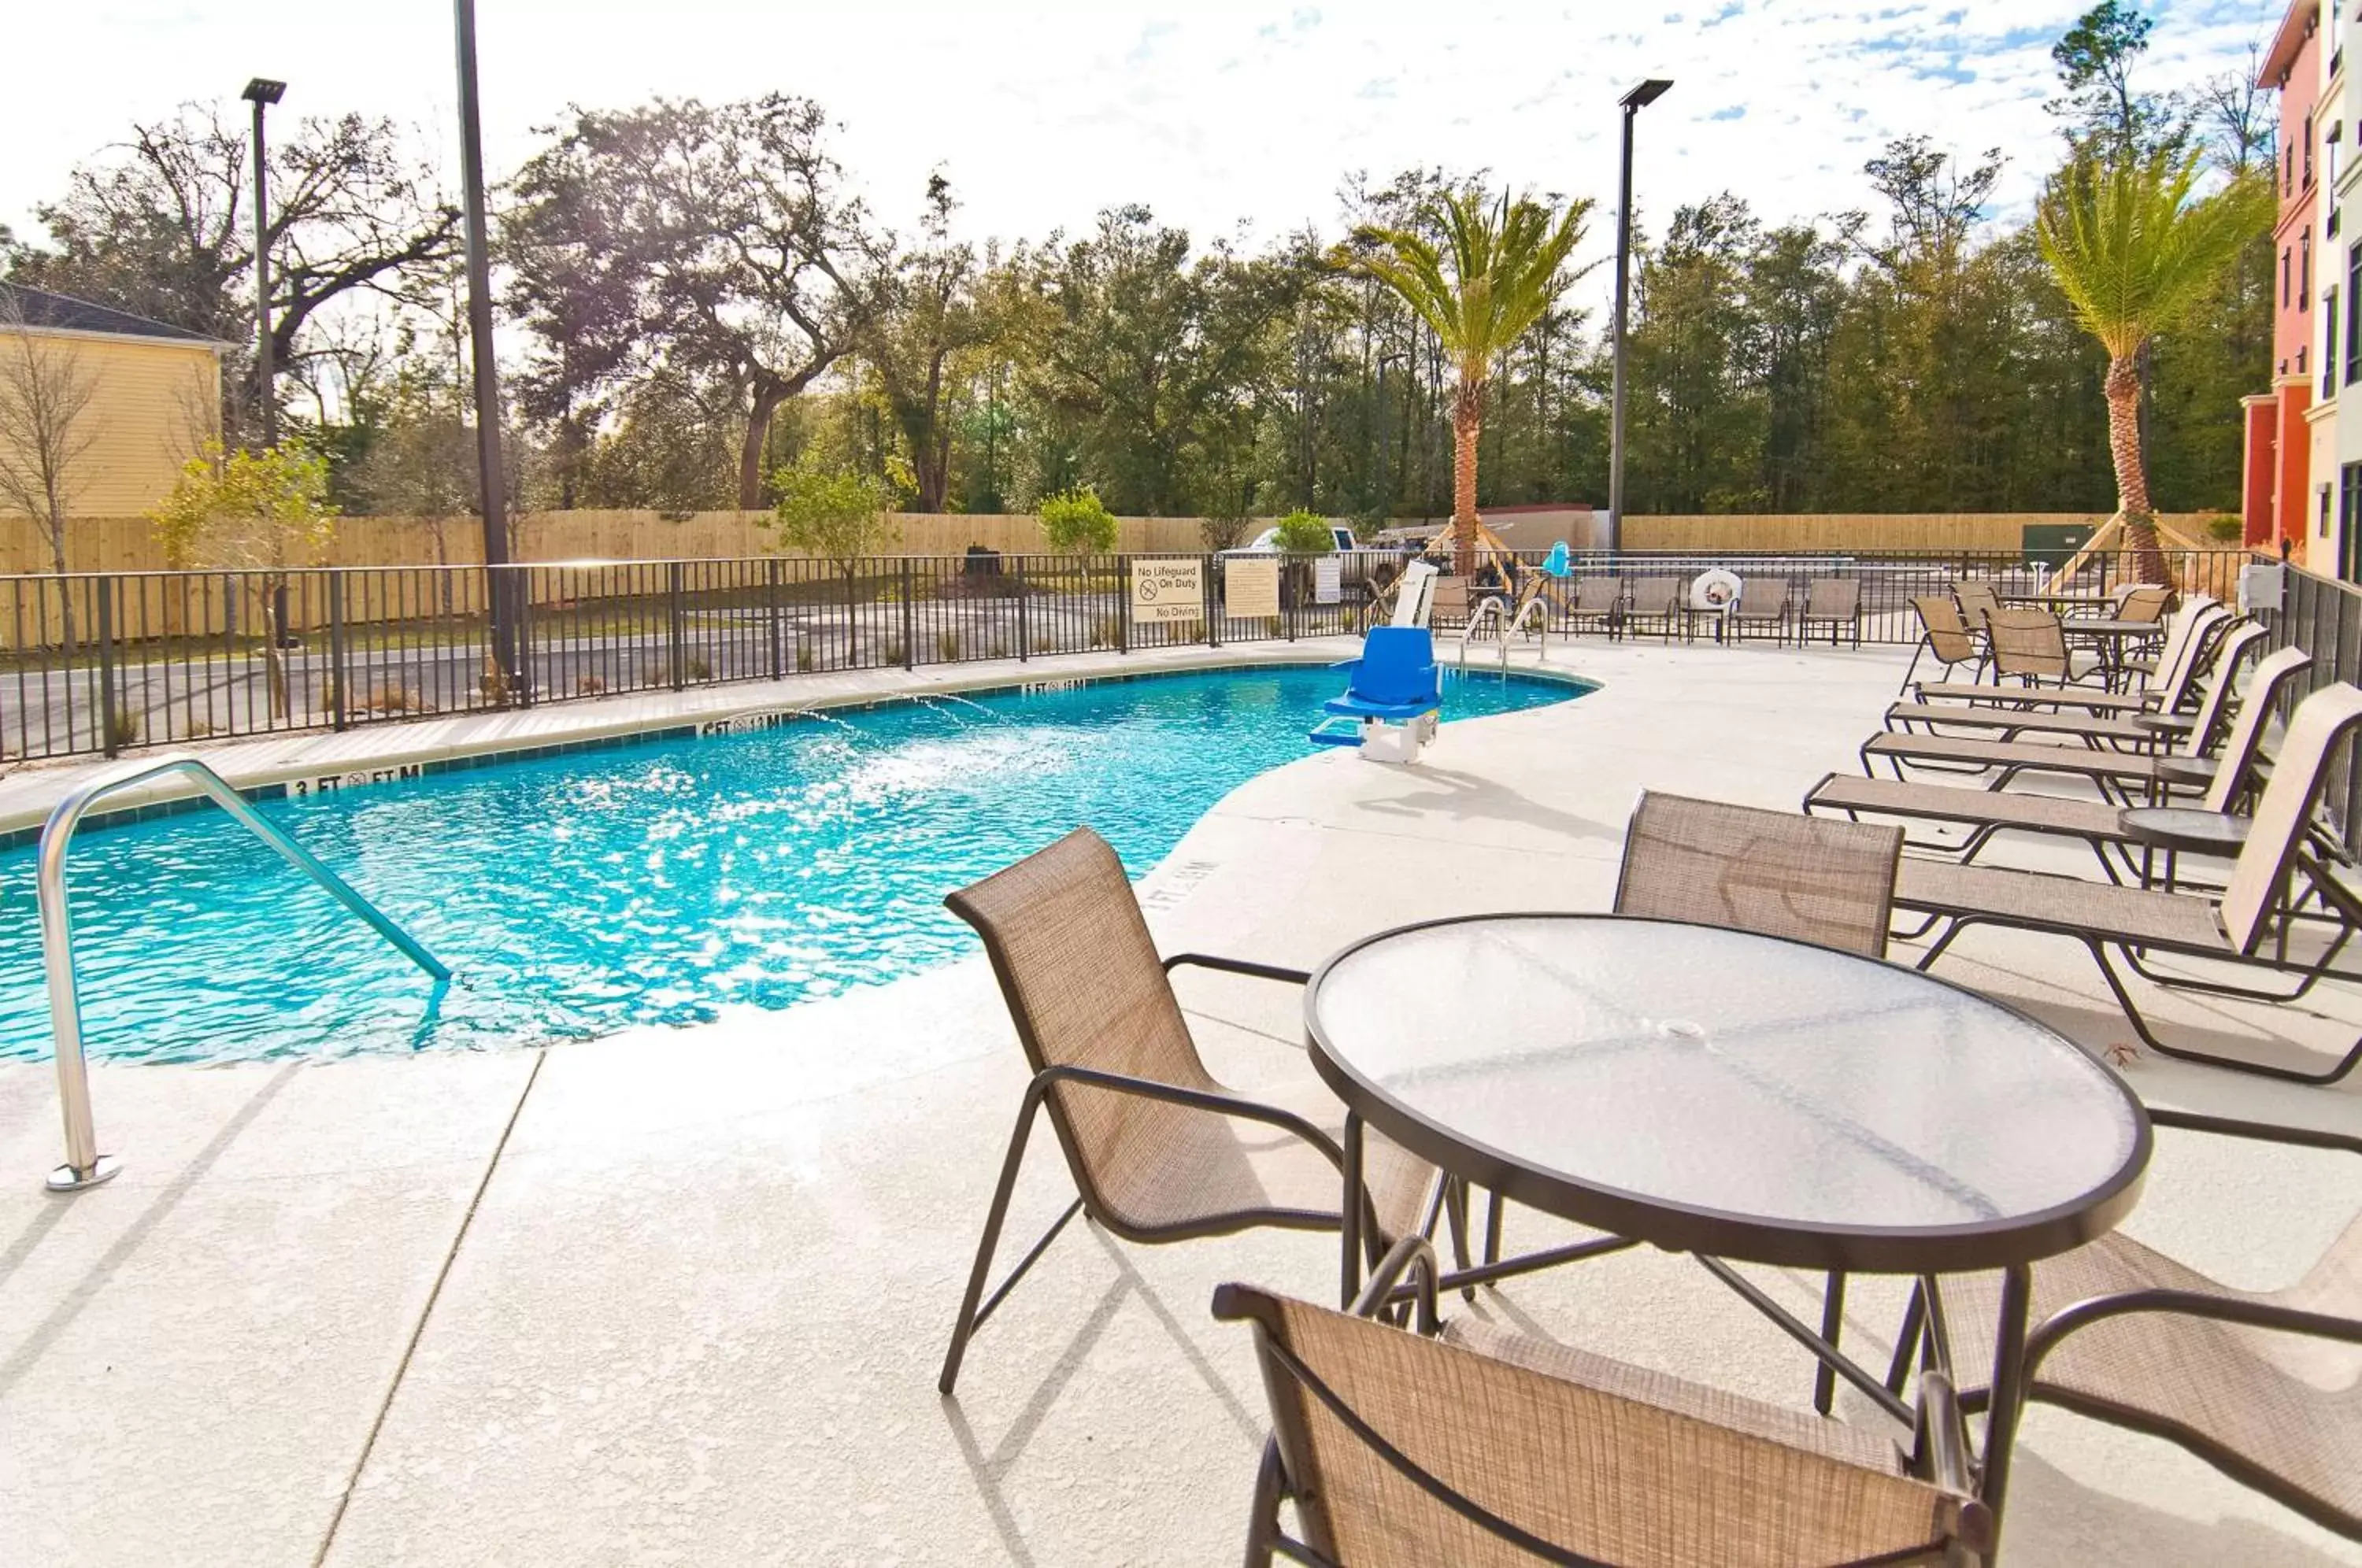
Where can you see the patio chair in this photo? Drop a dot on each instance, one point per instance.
(1657, 599)
(2113, 773)
(1832, 602)
(2030, 647)
(2189, 637)
(1448, 601)
(1159, 1151)
(1773, 873)
(2258, 1384)
(1977, 600)
(1765, 602)
(1944, 633)
(2138, 729)
(2140, 923)
(2146, 602)
(2100, 824)
(1480, 1447)
(1598, 601)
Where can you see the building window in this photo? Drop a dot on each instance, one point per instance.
(2353, 338)
(2304, 271)
(2287, 174)
(2284, 280)
(2349, 484)
(2308, 152)
(2329, 336)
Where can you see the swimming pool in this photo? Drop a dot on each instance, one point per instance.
(658, 882)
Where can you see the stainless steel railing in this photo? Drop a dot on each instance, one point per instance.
(86, 1166)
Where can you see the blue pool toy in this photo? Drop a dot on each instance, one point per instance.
(1392, 695)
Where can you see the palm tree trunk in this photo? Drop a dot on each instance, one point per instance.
(1467, 425)
(2124, 389)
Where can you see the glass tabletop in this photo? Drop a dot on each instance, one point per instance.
(1725, 1092)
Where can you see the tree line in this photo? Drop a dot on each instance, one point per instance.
(704, 304)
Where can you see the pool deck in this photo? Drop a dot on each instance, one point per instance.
(678, 1296)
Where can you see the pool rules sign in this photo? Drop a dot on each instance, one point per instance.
(1250, 587)
(1167, 589)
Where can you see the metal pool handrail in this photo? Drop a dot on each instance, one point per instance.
(86, 1166)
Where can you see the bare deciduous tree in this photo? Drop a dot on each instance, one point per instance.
(48, 425)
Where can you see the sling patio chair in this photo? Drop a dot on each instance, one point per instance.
(1449, 601)
(1481, 1447)
(2113, 773)
(1598, 602)
(2239, 930)
(1656, 600)
(2189, 637)
(1766, 603)
(1773, 873)
(2261, 1385)
(2030, 647)
(1159, 1151)
(2100, 824)
(1833, 603)
(1977, 600)
(2139, 731)
(1944, 634)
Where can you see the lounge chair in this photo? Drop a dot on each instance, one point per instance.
(1159, 1151)
(2113, 773)
(1597, 601)
(2140, 730)
(2189, 637)
(2141, 923)
(1833, 603)
(1658, 600)
(1476, 1446)
(1945, 634)
(2099, 824)
(2258, 1384)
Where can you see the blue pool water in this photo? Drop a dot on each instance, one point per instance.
(657, 882)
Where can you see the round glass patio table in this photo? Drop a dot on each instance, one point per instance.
(1738, 1096)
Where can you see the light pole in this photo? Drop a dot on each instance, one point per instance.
(500, 596)
(1640, 98)
(262, 93)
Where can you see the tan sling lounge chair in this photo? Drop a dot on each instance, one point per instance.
(1159, 1151)
(2189, 639)
(2138, 729)
(1945, 635)
(2239, 930)
(1478, 1447)
(2100, 824)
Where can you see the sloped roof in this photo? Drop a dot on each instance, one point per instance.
(2296, 29)
(63, 313)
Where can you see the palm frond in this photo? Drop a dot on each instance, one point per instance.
(2130, 248)
(1479, 272)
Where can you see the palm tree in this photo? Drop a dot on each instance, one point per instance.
(1478, 272)
(2133, 252)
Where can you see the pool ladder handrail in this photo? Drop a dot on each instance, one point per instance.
(86, 1166)
(1492, 616)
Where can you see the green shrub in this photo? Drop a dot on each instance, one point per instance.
(805, 662)
(1077, 523)
(1305, 533)
(2229, 529)
(1106, 632)
(835, 517)
(947, 647)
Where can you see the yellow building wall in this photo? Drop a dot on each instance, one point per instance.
(152, 403)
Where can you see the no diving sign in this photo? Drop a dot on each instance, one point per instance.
(1167, 589)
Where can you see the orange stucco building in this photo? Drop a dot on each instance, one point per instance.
(2278, 493)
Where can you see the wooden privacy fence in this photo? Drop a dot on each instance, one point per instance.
(128, 544)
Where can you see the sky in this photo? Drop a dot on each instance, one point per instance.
(1223, 116)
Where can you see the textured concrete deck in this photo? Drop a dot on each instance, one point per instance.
(679, 1295)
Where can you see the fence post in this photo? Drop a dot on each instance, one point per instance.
(104, 590)
(673, 620)
(771, 615)
(1123, 604)
(1288, 609)
(1213, 600)
(909, 620)
(337, 699)
(522, 686)
(1024, 628)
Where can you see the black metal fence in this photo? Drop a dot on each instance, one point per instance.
(106, 662)
(2323, 616)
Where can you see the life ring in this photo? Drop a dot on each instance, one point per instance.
(1715, 590)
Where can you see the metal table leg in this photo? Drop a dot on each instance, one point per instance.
(2008, 1393)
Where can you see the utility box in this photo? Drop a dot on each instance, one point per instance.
(2054, 544)
(2261, 587)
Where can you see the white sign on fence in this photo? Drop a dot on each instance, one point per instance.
(1167, 589)
(1328, 581)
(1250, 587)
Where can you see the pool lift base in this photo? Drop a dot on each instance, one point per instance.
(67, 1178)
(1379, 741)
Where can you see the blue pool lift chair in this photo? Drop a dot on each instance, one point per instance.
(1392, 696)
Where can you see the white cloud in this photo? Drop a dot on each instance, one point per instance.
(1212, 115)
